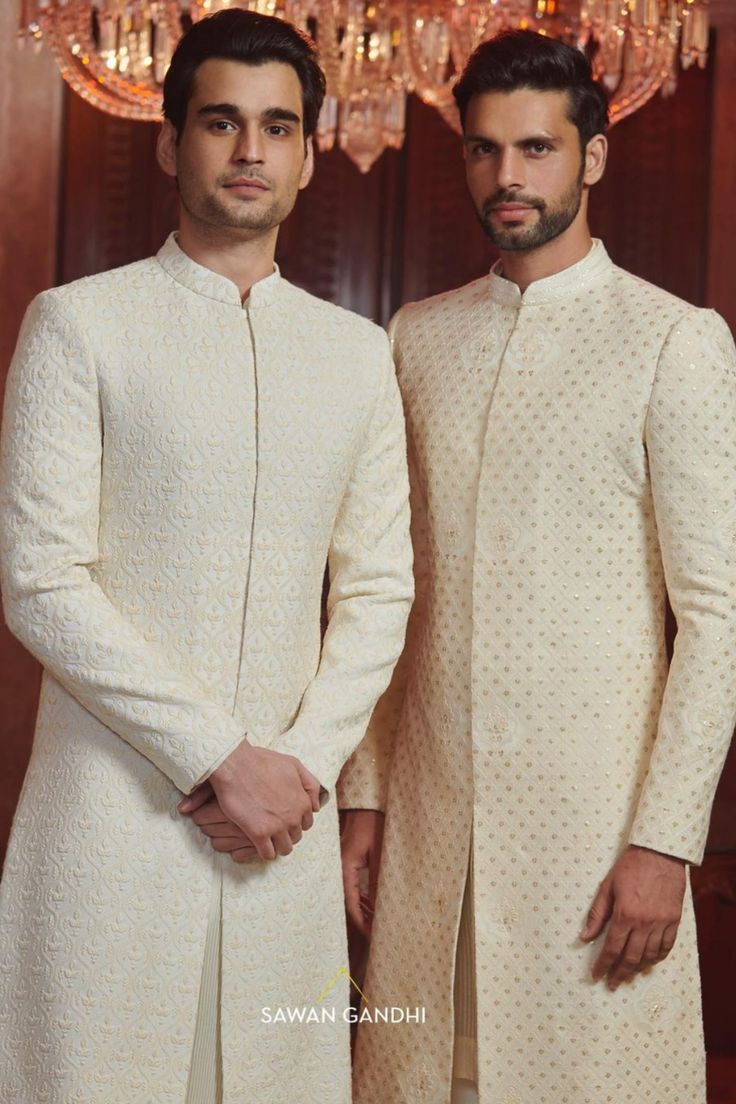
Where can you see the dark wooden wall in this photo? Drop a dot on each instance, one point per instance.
(31, 138)
(82, 193)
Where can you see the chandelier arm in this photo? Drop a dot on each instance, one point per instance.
(372, 53)
(633, 93)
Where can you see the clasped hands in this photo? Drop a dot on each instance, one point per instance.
(256, 804)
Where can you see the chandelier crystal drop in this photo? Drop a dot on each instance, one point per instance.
(115, 53)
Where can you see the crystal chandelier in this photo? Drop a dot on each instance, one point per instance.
(115, 53)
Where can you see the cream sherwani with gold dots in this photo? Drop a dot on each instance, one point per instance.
(177, 468)
(573, 455)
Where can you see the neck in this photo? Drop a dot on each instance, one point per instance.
(524, 267)
(245, 261)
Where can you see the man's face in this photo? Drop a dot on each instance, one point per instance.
(524, 166)
(241, 157)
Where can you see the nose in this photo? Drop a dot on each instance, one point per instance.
(511, 169)
(249, 148)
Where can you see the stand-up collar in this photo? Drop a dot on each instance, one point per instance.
(203, 281)
(592, 269)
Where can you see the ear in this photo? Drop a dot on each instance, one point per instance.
(308, 166)
(166, 148)
(596, 153)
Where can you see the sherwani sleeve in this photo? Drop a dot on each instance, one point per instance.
(363, 783)
(50, 467)
(691, 446)
(370, 594)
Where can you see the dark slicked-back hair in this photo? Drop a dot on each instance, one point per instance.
(525, 59)
(239, 35)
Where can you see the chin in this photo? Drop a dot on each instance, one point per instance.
(509, 240)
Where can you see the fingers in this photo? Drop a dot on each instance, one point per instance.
(263, 842)
(669, 935)
(209, 813)
(240, 849)
(227, 836)
(651, 955)
(223, 829)
(351, 886)
(265, 848)
(642, 949)
(198, 796)
(630, 961)
(282, 844)
(613, 948)
(600, 911)
(368, 911)
(310, 784)
(244, 854)
(226, 844)
(307, 820)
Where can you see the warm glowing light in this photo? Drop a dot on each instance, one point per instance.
(115, 53)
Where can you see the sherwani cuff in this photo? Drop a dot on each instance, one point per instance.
(322, 761)
(236, 742)
(362, 783)
(668, 840)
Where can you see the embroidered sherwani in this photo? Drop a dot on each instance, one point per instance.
(177, 468)
(572, 454)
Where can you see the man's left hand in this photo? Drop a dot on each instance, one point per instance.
(224, 836)
(641, 901)
(361, 841)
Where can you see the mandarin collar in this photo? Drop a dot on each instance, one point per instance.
(203, 281)
(592, 269)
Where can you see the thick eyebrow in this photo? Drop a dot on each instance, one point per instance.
(280, 114)
(554, 138)
(219, 109)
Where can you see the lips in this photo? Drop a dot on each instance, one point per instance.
(511, 213)
(247, 183)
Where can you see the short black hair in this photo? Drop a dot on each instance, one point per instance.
(525, 59)
(239, 35)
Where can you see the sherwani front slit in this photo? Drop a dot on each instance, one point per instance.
(205, 1072)
(465, 1054)
(177, 468)
(573, 460)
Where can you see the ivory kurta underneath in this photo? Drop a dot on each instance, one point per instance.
(177, 468)
(572, 456)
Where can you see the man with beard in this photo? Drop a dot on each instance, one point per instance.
(572, 444)
(186, 441)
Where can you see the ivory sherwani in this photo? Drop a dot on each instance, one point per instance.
(573, 455)
(177, 469)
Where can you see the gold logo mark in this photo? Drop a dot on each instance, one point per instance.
(342, 972)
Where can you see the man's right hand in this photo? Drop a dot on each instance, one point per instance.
(269, 796)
